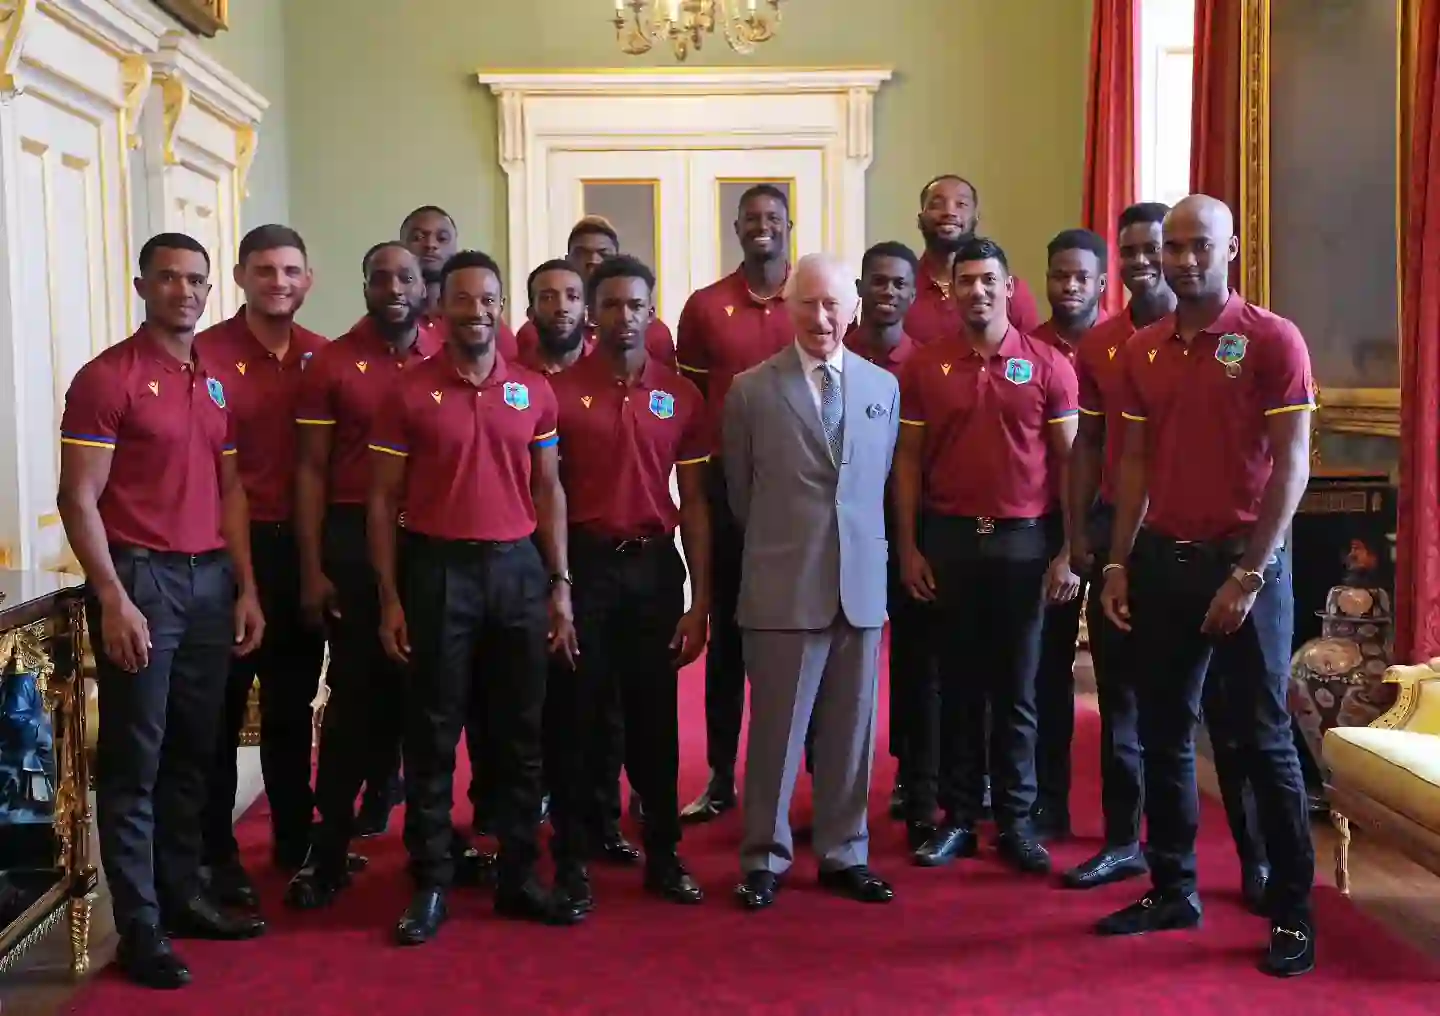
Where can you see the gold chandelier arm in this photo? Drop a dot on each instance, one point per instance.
(634, 36)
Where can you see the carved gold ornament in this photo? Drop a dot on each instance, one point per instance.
(686, 23)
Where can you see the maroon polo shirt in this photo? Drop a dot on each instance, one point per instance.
(1049, 334)
(935, 316)
(532, 359)
(433, 327)
(467, 448)
(725, 329)
(986, 420)
(1204, 406)
(263, 392)
(166, 425)
(892, 360)
(1099, 368)
(659, 343)
(619, 443)
(344, 387)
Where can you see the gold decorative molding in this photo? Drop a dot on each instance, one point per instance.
(175, 94)
(1371, 411)
(247, 139)
(14, 23)
(203, 17)
(1254, 211)
(136, 75)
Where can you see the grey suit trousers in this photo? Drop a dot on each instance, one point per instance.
(831, 673)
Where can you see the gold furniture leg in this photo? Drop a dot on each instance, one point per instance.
(1342, 852)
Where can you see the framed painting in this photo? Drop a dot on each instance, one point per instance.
(204, 17)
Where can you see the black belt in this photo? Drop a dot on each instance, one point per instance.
(580, 540)
(125, 550)
(986, 525)
(1225, 551)
(469, 548)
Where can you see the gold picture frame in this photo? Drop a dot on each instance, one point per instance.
(203, 17)
(1366, 411)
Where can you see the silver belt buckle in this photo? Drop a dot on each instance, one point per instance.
(984, 527)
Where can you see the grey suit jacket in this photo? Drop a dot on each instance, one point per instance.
(814, 530)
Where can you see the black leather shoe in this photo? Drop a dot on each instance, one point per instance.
(1292, 949)
(669, 880)
(474, 868)
(897, 801)
(1050, 823)
(422, 918)
(199, 917)
(1024, 853)
(144, 955)
(917, 834)
(1113, 864)
(230, 886)
(758, 890)
(315, 885)
(1254, 880)
(858, 883)
(616, 849)
(573, 882)
(947, 843)
(1153, 912)
(718, 798)
(530, 902)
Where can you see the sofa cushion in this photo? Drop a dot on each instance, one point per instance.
(1398, 768)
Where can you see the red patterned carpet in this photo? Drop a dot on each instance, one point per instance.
(972, 938)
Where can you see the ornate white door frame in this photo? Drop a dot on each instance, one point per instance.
(704, 109)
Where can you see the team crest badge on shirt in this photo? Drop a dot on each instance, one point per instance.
(517, 396)
(585, 401)
(360, 365)
(662, 404)
(1018, 371)
(154, 387)
(240, 366)
(216, 390)
(1231, 348)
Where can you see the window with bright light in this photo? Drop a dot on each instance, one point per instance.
(1167, 61)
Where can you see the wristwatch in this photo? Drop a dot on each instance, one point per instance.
(1250, 581)
(560, 577)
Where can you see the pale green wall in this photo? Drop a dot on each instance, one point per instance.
(384, 112)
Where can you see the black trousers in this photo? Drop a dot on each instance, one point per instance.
(914, 701)
(1246, 676)
(724, 658)
(364, 714)
(288, 664)
(989, 611)
(1055, 688)
(477, 616)
(628, 601)
(159, 728)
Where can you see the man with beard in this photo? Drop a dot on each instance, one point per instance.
(626, 422)
(152, 503)
(260, 356)
(468, 455)
(1094, 472)
(949, 215)
(986, 417)
(431, 235)
(343, 390)
(560, 337)
(592, 241)
(1075, 279)
(725, 329)
(887, 289)
(1216, 399)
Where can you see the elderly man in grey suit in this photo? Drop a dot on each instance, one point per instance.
(808, 439)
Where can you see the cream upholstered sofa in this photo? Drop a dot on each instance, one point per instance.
(1387, 776)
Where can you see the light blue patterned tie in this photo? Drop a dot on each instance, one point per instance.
(832, 410)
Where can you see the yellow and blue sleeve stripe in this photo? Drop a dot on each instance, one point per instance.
(87, 440)
(912, 423)
(1091, 412)
(229, 449)
(1068, 414)
(1299, 407)
(313, 422)
(395, 450)
(692, 370)
(1133, 417)
(693, 462)
(546, 440)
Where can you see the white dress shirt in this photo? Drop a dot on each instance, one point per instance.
(813, 375)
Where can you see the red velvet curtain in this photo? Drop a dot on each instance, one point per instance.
(1110, 128)
(1417, 581)
(1215, 106)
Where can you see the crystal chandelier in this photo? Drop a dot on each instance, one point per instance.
(640, 25)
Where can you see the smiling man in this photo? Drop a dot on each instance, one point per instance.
(725, 329)
(260, 355)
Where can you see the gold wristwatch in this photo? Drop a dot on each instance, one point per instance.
(1250, 581)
